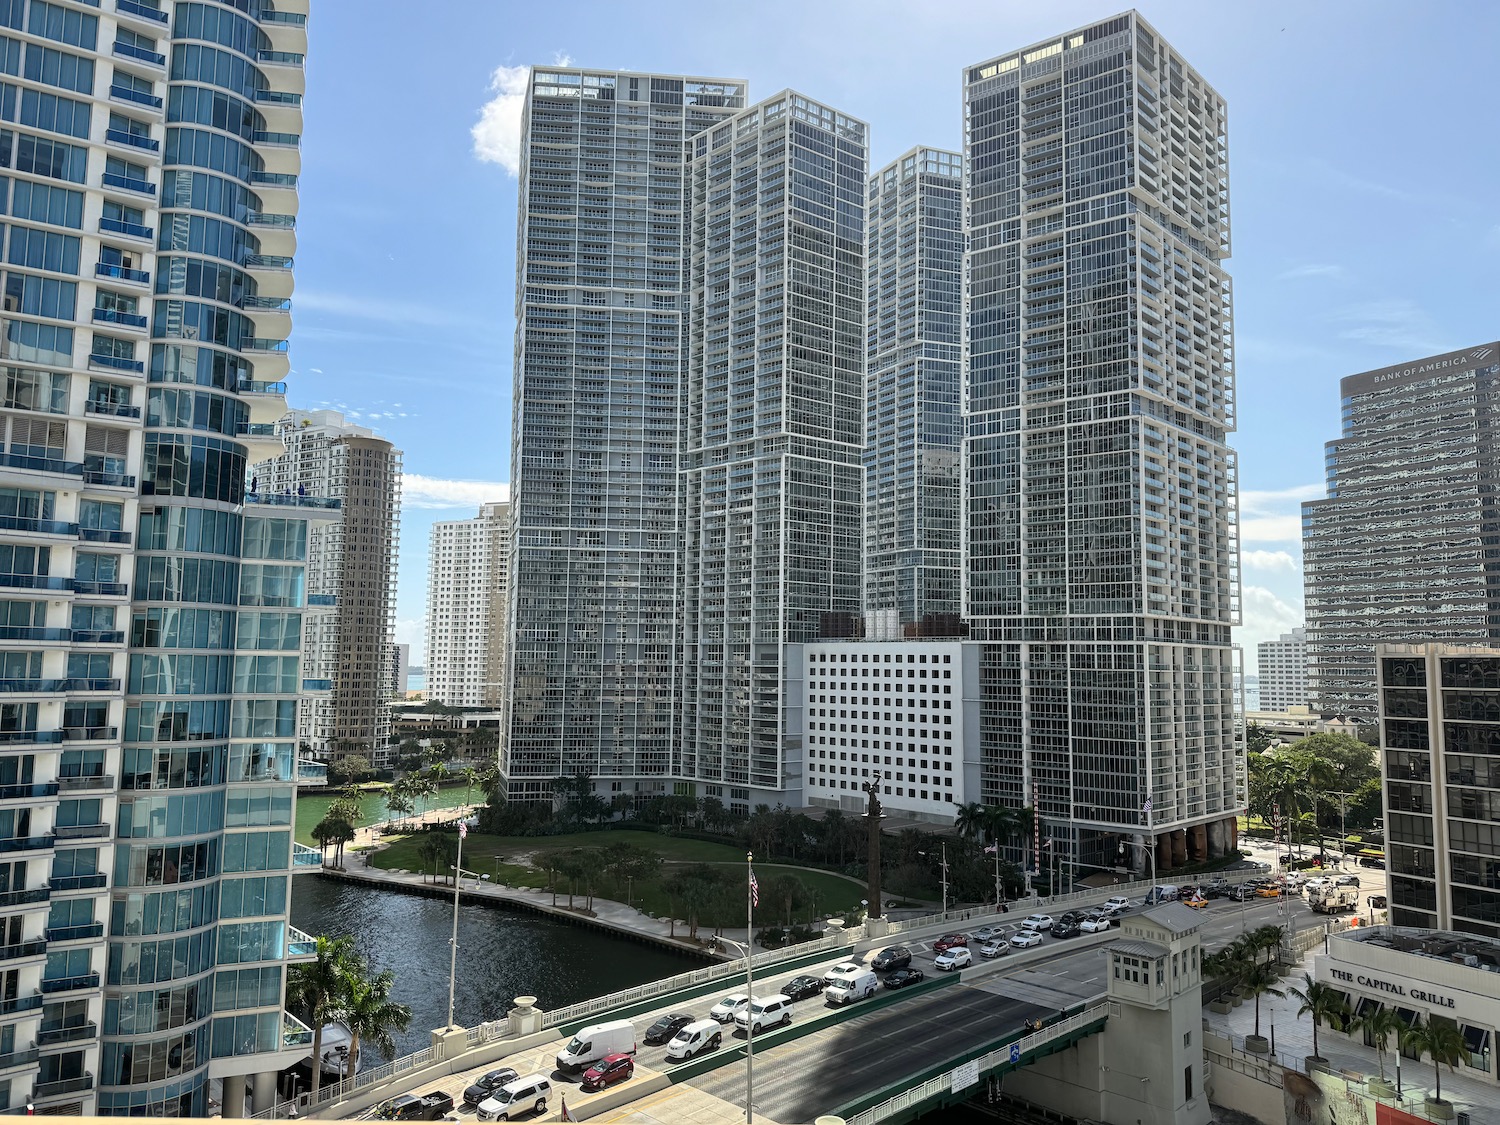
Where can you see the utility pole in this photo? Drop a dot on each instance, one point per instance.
(945, 877)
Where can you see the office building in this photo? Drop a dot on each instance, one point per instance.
(467, 597)
(773, 431)
(152, 608)
(1398, 552)
(400, 669)
(1439, 709)
(1282, 665)
(913, 494)
(1102, 565)
(351, 567)
(599, 367)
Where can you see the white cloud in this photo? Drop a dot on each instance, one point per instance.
(1312, 269)
(1269, 560)
(1266, 617)
(497, 133)
(360, 307)
(431, 492)
(412, 631)
(1274, 516)
(1393, 322)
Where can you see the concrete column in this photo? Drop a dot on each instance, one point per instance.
(264, 1090)
(1179, 846)
(1198, 842)
(1216, 839)
(1163, 852)
(232, 1100)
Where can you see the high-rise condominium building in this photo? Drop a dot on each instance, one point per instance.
(346, 652)
(913, 493)
(467, 596)
(595, 440)
(400, 669)
(1442, 784)
(1399, 551)
(1282, 668)
(152, 610)
(773, 429)
(1101, 496)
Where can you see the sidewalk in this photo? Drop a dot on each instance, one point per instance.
(1292, 1039)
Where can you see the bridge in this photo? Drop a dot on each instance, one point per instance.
(891, 1057)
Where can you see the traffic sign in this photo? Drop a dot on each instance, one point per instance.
(1015, 1052)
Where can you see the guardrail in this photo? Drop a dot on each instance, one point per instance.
(337, 1091)
(1001, 1056)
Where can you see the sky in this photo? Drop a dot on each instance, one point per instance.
(1364, 192)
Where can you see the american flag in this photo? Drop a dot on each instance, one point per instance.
(1147, 806)
(463, 830)
(991, 850)
(754, 890)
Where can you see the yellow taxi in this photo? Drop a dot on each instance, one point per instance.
(1197, 902)
(1270, 890)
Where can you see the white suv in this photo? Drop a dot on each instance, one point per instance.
(1117, 905)
(845, 970)
(767, 1011)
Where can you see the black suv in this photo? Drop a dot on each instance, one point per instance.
(1066, 927)
(896, 957)
(487, 1083)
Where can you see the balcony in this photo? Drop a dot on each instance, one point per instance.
(317, 687)
(115, 316)
(322, 503)
(122, 273)
(140, 11)
(134, 140)
(115, 362)
(323, 601)
(23, 898)
(131, 230)
(108, 479)
(91, 734)
(125, 183)
(256, 429)
(72, 1033)
(103, 535)
(75, 933)
(294, 1033)
(18, 1058)
(27, 843)
(41, 464)
(69, 984)
(299, 944)
(20, 1004)
(274, 179)
(277, 97)
(65, 1085)
(32, 633)
(99, 589)
(82, 683)
(30, 737)
(37, 948)
(280, 140)
(32, 687)
(98, 637)
(275, 304)
(305, 858)
(81, 831)
(279, 58)
(267, 262)
(264, 347)
(76, 883)
(27, 792)
(139, 54)
(311, 773)
(35, 582)
(36, 526)
(126, 94)
(292, 19)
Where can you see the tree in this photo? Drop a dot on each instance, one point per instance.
(1441, 1041)
(971, 820)
(334, 830)
(1326, 1005)
(315, 991)
(323, 833)
(1257, 980)
(349, 768)
(1384, 1026)
(786, 893)
(398, 802)
(470, 777)
(440, 849)
(372, 1015)
(1257, 739)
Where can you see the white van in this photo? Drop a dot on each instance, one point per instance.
(516, 1099)
(847, 989)
(695, 1038)
(765, 1012)
(592, 1043)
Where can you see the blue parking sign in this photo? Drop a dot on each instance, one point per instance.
(1015, 1052)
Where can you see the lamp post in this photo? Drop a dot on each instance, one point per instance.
(945, 874)
(749, 1029)
(872, 858)
(458, 866)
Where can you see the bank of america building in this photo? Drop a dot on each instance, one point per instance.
(150, 609)
(1101, 553)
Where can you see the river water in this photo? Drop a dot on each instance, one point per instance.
(502, 953)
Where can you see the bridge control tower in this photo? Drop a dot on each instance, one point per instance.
(1147, 1066)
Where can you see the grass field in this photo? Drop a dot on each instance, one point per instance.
(503, 859)
(311, 809)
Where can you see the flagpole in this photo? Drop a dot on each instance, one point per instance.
(749, 988)
(458, 873)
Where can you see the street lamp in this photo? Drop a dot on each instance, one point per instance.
(749, 1029)
(1149, 848)
(945, 874)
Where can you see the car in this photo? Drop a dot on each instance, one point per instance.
(516, 1099)
(803, 988)
(1117, 905)
(958, 957)
(1037, 922)
(1198, 902)
(418, 1107)
(950, 941)
(607, 1071)
(1372, 861)
(1025, 939)
(1269, 890)
(1215, 888)
(1095, 923)
(1067, 929)
(729, 1007)
(1071, 916)
(1346, 881)
(891, 957)
(1312, 886)
(900, 978)
(1241, 892)
(844, 970)
(490, 1081)
(987, 933)
(998, 947)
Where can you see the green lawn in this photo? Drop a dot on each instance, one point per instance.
(311, 809)
(501, 857)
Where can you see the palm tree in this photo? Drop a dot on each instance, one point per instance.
(970, 819)
(470, 777)
(315, 991)
(372, 1015)
(1259, 980)
(1325, 1003)
(1382, 1025)
(1265, 939)
(1441, 1041)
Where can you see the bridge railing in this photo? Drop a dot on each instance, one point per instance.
(348, 1087)
(1001, 1055)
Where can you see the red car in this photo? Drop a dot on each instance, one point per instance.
(607, 1071)
(949, 941)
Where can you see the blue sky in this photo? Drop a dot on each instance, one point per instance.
(1364, 195)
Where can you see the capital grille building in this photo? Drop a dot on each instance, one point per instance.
(1100, 488)
(1406, 547)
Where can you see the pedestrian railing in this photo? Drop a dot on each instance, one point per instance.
(349, 1087)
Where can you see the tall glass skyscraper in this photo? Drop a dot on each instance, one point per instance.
(594, 443)
(1101, 491)
(152, 610)
(1401, 551)
(772, 428)
(913, 422)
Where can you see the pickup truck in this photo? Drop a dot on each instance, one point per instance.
(417, 1107)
